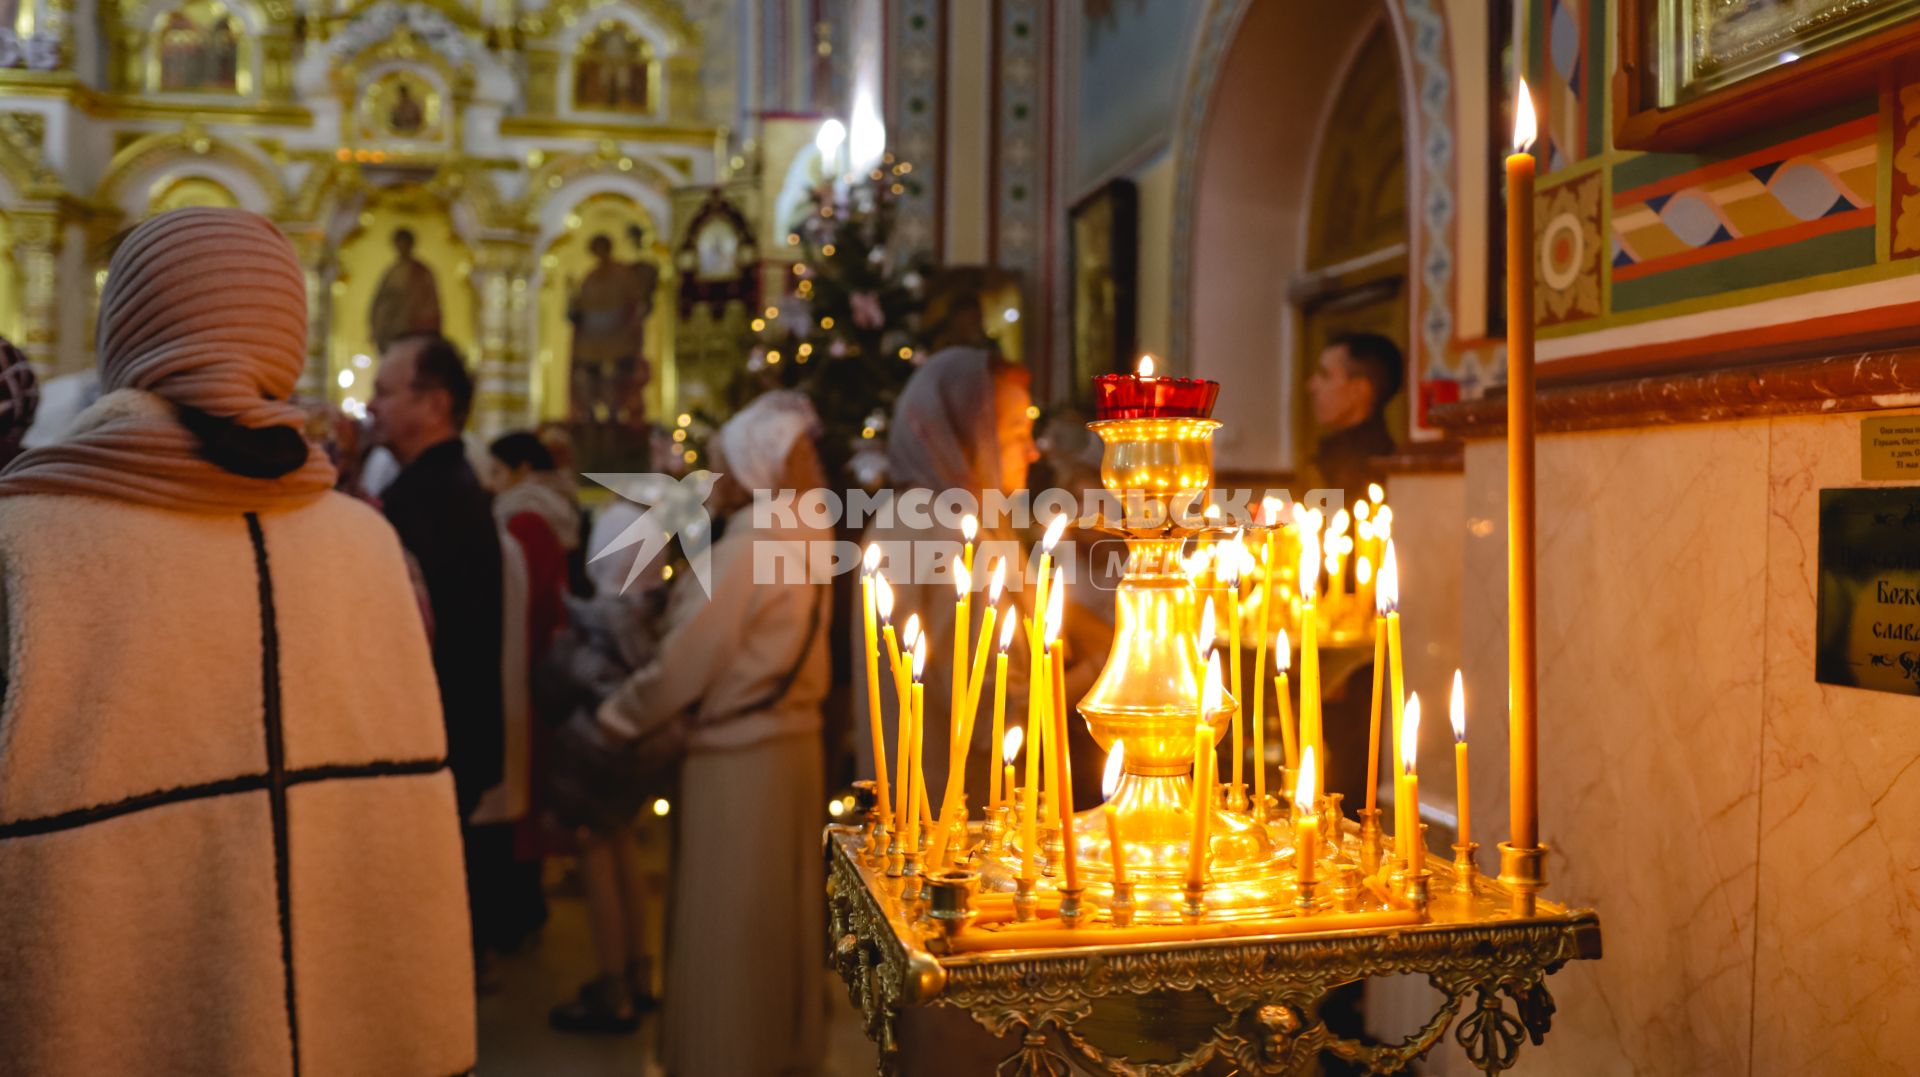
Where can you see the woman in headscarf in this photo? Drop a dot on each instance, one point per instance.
(228, 840)
(747, 666)
(961, 427)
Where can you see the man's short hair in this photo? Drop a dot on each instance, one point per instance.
(522, 447)
(403, 236)
(1376, 359)
(438, 365)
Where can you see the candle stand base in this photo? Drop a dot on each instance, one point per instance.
(1242, 996)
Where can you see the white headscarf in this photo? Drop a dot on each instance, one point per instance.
(756, 442)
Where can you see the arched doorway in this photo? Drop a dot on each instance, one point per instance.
(1356, 263)
(1250, 180)
(365, 255)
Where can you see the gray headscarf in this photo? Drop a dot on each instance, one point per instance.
(944, 433)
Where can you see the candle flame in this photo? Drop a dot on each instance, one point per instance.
(1303, 789)
(871, 562)
(1525, 129)
(1386, 594)
(1363, 570)
(1282, 653)
(998, 583)
(1006, 632)
(1210, 696)
(1204, 639)
(1362, 511)
(1375, 494)
(1457, 710)
(910, 635)
(1116, 765)
(883, 597)
(1010, 744)
(1383, 522)
(1054, 530)
(1410, 733)
(919, 657)
(1056, 607)
(1271, 509)
(1234, 551)
(1341, 521)
(1309, 563)
(1145, 366)
(1211, 512)
(962, 579)
(969, 527)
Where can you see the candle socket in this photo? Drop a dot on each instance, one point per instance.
(996, 830)
(1466, 874)
(865, 805)
(1052, 852)
(950, 905)
(910, 871)
(1524, 872)
(1233, 797)
(1121, 907)
(1270, 809)
(1418, 883)
(1371, 839)
(1289, 781)
(896, 859)
(1346, 888)
(1073, 912)
(1195, 905)
(1330, 817)
(1304, 901)
(1024, 900)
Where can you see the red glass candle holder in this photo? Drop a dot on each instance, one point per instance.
(1130, 396)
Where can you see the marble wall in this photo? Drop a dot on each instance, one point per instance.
(1747, 835)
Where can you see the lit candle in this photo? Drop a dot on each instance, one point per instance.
(868, 609)
(1524, 690)
(903, 730)
(1203, 635)
(1109, 783)
(1202, 807)
(918, 709)
(1407, 802)
(962, 726)
(1038, 731)
(1232, 551)
(1058, 755)
(1306, 831)
(1310, 642)
(1009, 751)
(1270, 519)
(1064, 799)
(969, 528)
(1283, 699)
(1458, 713)
(1390, 602)
(1002, 790)
(957, 697)
(997, 582)
(1030, 818)
(1385, 595)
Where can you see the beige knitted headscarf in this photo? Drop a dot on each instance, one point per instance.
(205, 311)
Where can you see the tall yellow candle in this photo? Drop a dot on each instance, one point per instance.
(1030, 817)
(1390, 601)
(957, 697)
(969, 529)
(903, 728)
(1457, 711)
(1231, 554)
(1373, 715)
(1310, 644)
(1110, 784)
(1001, 790)
(1210, 699)
(917, 709)
(1407, 804)
(1067, 844)
(1522, 668)
(1270, 519)
(978, 664)
(1058, 752)
(874, 717)
(1283, 700)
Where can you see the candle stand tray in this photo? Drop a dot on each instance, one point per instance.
(1166, 1007)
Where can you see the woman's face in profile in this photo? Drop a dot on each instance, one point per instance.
(1013, 430)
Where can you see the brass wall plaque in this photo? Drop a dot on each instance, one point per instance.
(1890, 448)
(1868, 623)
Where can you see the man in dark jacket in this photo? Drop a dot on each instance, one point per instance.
(1355, 377)
(444, 515)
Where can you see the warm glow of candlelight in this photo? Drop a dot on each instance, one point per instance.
(1341, 521)
(1309, 563)
(1410, 735)
(962, 579)
(1054, 530)
(1375, 494)
(1056, 607)
(871, 561)
(1203, 642)
(1006, 632)
(1303, 788)
(910, 635)
(1383, 523)
(882, 595)
(919, 656)
(1145, 367)
(1363, 570)
(1457, 710)
(1010, 744)
(969, 527)
(1386, 592)
(1211, 694)
(997, 583)
(1271, 509)
(1116, 765)
(1525, 128)
(1363, 511)
(1282, 652)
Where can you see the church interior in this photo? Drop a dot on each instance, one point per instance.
(1682, 338)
